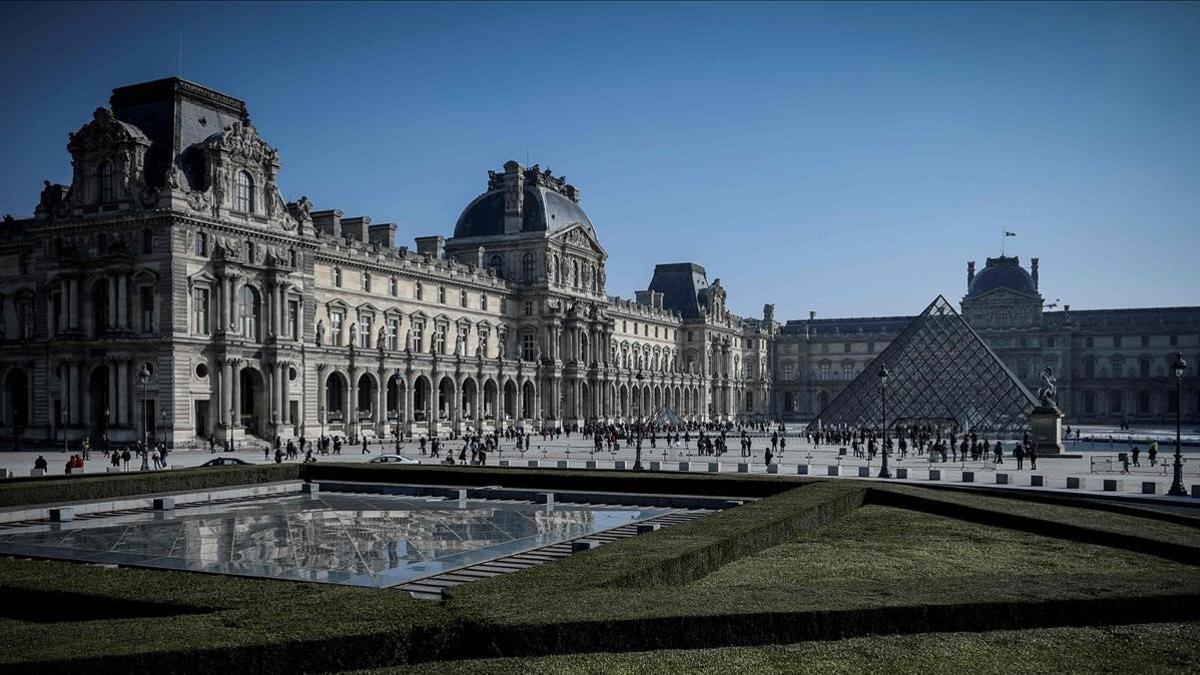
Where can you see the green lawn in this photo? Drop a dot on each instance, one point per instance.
(878, 544)
(1143, 648)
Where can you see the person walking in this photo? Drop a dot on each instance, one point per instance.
(1136, 453)
(1152, 453)
(40, 463)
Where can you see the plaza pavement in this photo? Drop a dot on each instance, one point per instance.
(1087, 466)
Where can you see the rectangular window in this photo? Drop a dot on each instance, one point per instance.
(1049, 342)
(337, 277)
(483, 302)
(787, 371)
(1174, 340)
(392, 287)
(824, 371)
(442, 295)
(335, 328)
(484, 334)
(293, 320)
(691, 336)
(393, 329)
(824, 347)
(1145, 340)
(418, 291)
(146, 303)
(55, 312)
(462, 339)
(365, 322)
(366, 281)
(439, 338)
(418, 335)
(202, 244)
(200, 311)
(1117, 341)
(291, 257)
(1090, 343)
(528, 308)
(528, 347)
(846, 348)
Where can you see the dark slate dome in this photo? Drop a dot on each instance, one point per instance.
(1002, 272)
(549, 204)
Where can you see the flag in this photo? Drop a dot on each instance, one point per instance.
(1009, 234)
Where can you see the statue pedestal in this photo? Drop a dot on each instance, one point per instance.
(1047, 430)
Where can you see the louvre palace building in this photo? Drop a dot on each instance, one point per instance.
(169, 289)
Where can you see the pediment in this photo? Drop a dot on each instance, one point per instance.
(580, 236)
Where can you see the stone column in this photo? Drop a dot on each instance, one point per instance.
(123, 387)
(236, 398)
(123, 301)
(381, 402)
(519, 410)
(286, 411)
(73, 390)
(409, 383)
(225, 398)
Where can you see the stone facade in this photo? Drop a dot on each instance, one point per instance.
(170, 291)
(1112, 365)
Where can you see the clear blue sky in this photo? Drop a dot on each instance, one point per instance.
(845, 158)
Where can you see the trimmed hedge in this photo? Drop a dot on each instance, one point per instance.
(672, 556)
(595, 480)
(963, 507)
(111, 486)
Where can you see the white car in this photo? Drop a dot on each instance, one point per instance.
(392, 459)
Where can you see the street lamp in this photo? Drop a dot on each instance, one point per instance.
(1177, 369)
(883, 378)
(321, 414)
(144, 378)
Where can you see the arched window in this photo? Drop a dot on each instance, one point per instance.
(104, 178)
(527, 267)
(497, 266)
(243, 196)
(250, 310)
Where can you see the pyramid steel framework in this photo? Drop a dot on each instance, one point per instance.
(941, 373)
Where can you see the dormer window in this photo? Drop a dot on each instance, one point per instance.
(104, 177)
(243, 197)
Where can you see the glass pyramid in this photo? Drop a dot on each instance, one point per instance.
(940, 373)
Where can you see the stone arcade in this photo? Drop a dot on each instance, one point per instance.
(170, 290)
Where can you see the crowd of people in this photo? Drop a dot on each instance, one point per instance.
(925, 440)
(152, 456)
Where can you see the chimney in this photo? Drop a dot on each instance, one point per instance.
(356, 228)
(383, 234)
(1033, 268)
(328, 222)
(434, 246)
(970, 274)
(514, 197)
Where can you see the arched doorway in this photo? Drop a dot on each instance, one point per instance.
(366, 395)
(466, 401)
(335, 398)
(510, 400)
(101, 310)
(445, 398)
(624, 401)
(100, 408)
(421, 399)
(253, 396)
(16, 393)
(490, 400)
(395, 389)
(528, 401)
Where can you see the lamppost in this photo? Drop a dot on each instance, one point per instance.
(144, 378)
(883, 377)
(321, 414)
(162, 416)
(1177, 369)
(232, 442)
(105, 427)
(398, 409)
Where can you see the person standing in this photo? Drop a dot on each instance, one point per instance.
(1019, 453)
(1153, 453)
(1033, 458)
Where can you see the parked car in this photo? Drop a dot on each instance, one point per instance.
(393, 459)
(226, 461)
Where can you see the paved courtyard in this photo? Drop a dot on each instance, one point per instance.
(1091, 463)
